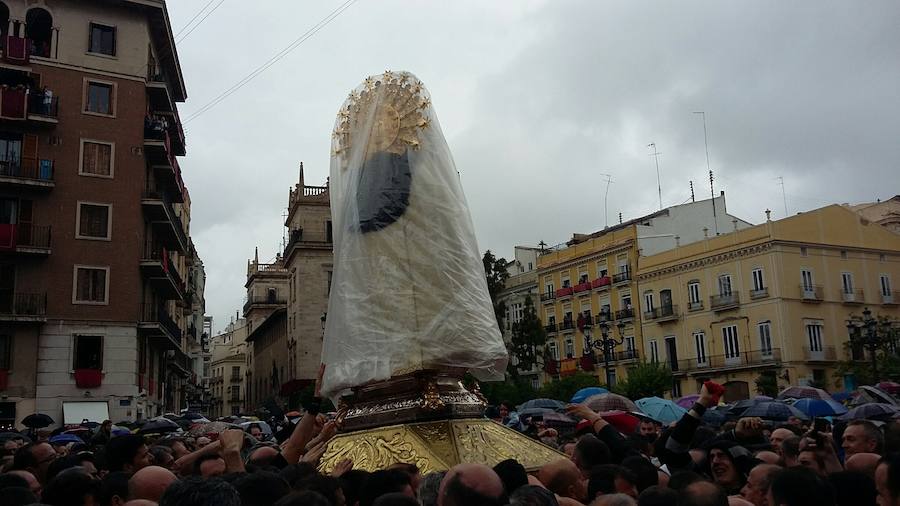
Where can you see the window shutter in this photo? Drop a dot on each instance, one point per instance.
(29, 155)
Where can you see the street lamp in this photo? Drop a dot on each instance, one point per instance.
(865, 331)
(606, 344)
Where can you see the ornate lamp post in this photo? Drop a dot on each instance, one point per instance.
(864, 331)
(606, 344)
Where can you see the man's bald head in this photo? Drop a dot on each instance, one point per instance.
(768, 457)
(863, 462)
(703, 493)
(149, 483)
(563, 478)
(262, 456)
(465, 482)
(140, 502)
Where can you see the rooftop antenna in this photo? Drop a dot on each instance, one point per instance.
(605, 200)
(783, 195)
(655, 154)
(692, 191)
(712, 192)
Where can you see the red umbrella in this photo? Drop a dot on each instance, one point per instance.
(626, 423)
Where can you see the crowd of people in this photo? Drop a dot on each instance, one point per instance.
(748, 462)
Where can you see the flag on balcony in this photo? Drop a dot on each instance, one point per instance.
(88, 378)
(16, 50)
(13, 103)
(7, 237)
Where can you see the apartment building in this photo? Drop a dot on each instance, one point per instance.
(287, 301)
(94, 228)
(521, 285)
(882, 212)
(588, 285)
(770, 300)
(228, 366)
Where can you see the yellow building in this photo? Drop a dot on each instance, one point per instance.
(767, 300)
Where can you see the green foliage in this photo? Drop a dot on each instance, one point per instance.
(647, 379)
(767, 384)
(887, 360)
(496, 274)
(528, 339)
(515, 391)
(564, 388)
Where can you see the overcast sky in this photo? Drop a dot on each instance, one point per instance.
(538, 100)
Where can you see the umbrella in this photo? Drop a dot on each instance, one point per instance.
(890, 387)
(610, 402)
(715, 416)
(554, 419)
(819, 407)
(687, 401)
(193, 416)
(872, 394)
(662, 410)
(581, 395)
(66, 438)
(737, 409)
(873, 410)
(37, 421)
(119, 431)
(77, 430)
(204, 429)
(542, 403)
(540, 412)
(12, 436)
(841, 396)
(626, 423)
(803, 392)
(774, 410)
(159, 425)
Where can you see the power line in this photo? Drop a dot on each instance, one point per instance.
(271, 61)
(200, 22)
(193, 18)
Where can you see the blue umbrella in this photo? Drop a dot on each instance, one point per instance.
(65, 438)
(773, 410)
(819, 407)
(737, 409)
(715, 416)
(582, 395)
(661, 410)
(542, 403)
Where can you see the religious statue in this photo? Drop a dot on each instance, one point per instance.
(408, 291)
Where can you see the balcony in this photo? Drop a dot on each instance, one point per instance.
(158, 92)
(296, 240)
(583, 288)
(811, 293)
(16, 50)
(264, 301)
(166, 222)
(853, 296)
(890, 298)
(22, 307)
(160, 155)
(167, 129)
(36, 174)
(662, 314)
(601, 283)
(31, 106)
(88, 378)
(724, 302)
(25, 238)
(162, 273)
(821, 354)
(603, 316)
(548, 298)
(585, 321)
(157, 323)
(619, 356)
(625, 314)
(622, 277)
(742, 360)
(760, 293)
(565, 292)
(566, 325)
(695, 306)
(550, 328)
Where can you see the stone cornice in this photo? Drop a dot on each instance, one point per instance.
(714, 259)
(612, 250)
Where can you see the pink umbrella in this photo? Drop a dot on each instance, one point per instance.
(687, 401)
(609, 402)
(889, 387)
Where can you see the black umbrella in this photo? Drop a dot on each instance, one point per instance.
(37, 421)
(158, 426)
(192, 416)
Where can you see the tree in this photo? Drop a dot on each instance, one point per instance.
(767, 384)
(496, 274)
(859, 353)
(528, 339)
(564, 388)
(647, 379)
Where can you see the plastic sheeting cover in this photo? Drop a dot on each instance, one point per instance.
(408, 289)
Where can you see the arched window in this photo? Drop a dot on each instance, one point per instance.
(39, 30)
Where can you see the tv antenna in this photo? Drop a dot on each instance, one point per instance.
(655, 154)
(605, 200)
(783, 195)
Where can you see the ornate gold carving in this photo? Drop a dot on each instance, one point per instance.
(376, 450)
(489, 443)
(431, 397)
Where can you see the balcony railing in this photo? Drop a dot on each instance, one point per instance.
(601, 283)
(585, 320)
(603, 316)
(724, 301)
(662, 313)
(34, 173)
(158, 313)
(853, 296)
(584, 286)
(550, 328)
(618, 356)
(811, 293)
(43, 105)
(622, 277)
(760, 293)
(567, 325)
(695, 306)
(18, 304)
(548, 297)
(762, 358)
(625, 314)
(890, 298)
(565, 291)
(820, 354)
(24, 237)
(153, 252)
(255, 300)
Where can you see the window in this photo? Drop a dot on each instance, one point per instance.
(570, 348)
(694, 293)
(806, 279)
(88, 352)
(654, 351)
(102, 40)
(94, 221)
(612, 378)
(566, 283)
(814, 335)
(676, 389)
(99, 98)
(5, 350)
(730, 342)
(648, 302)
(548, 286)
(700, 347)
(847, 282)
(328, 288)
(758, 283)
(844, 254)
(885, 282)
(629, 346)
(724, 285)
(765, 338)
(626, 301)
(328, 231)
(803, 251)
(553, 351)
(530, 266)
(91, 285)
(602, 269)
(10, 153)
(96, 159)
(551, 318)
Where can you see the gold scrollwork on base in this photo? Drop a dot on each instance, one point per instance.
(378, 450)
(489, 443)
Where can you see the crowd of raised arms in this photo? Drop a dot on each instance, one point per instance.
(746, 462)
